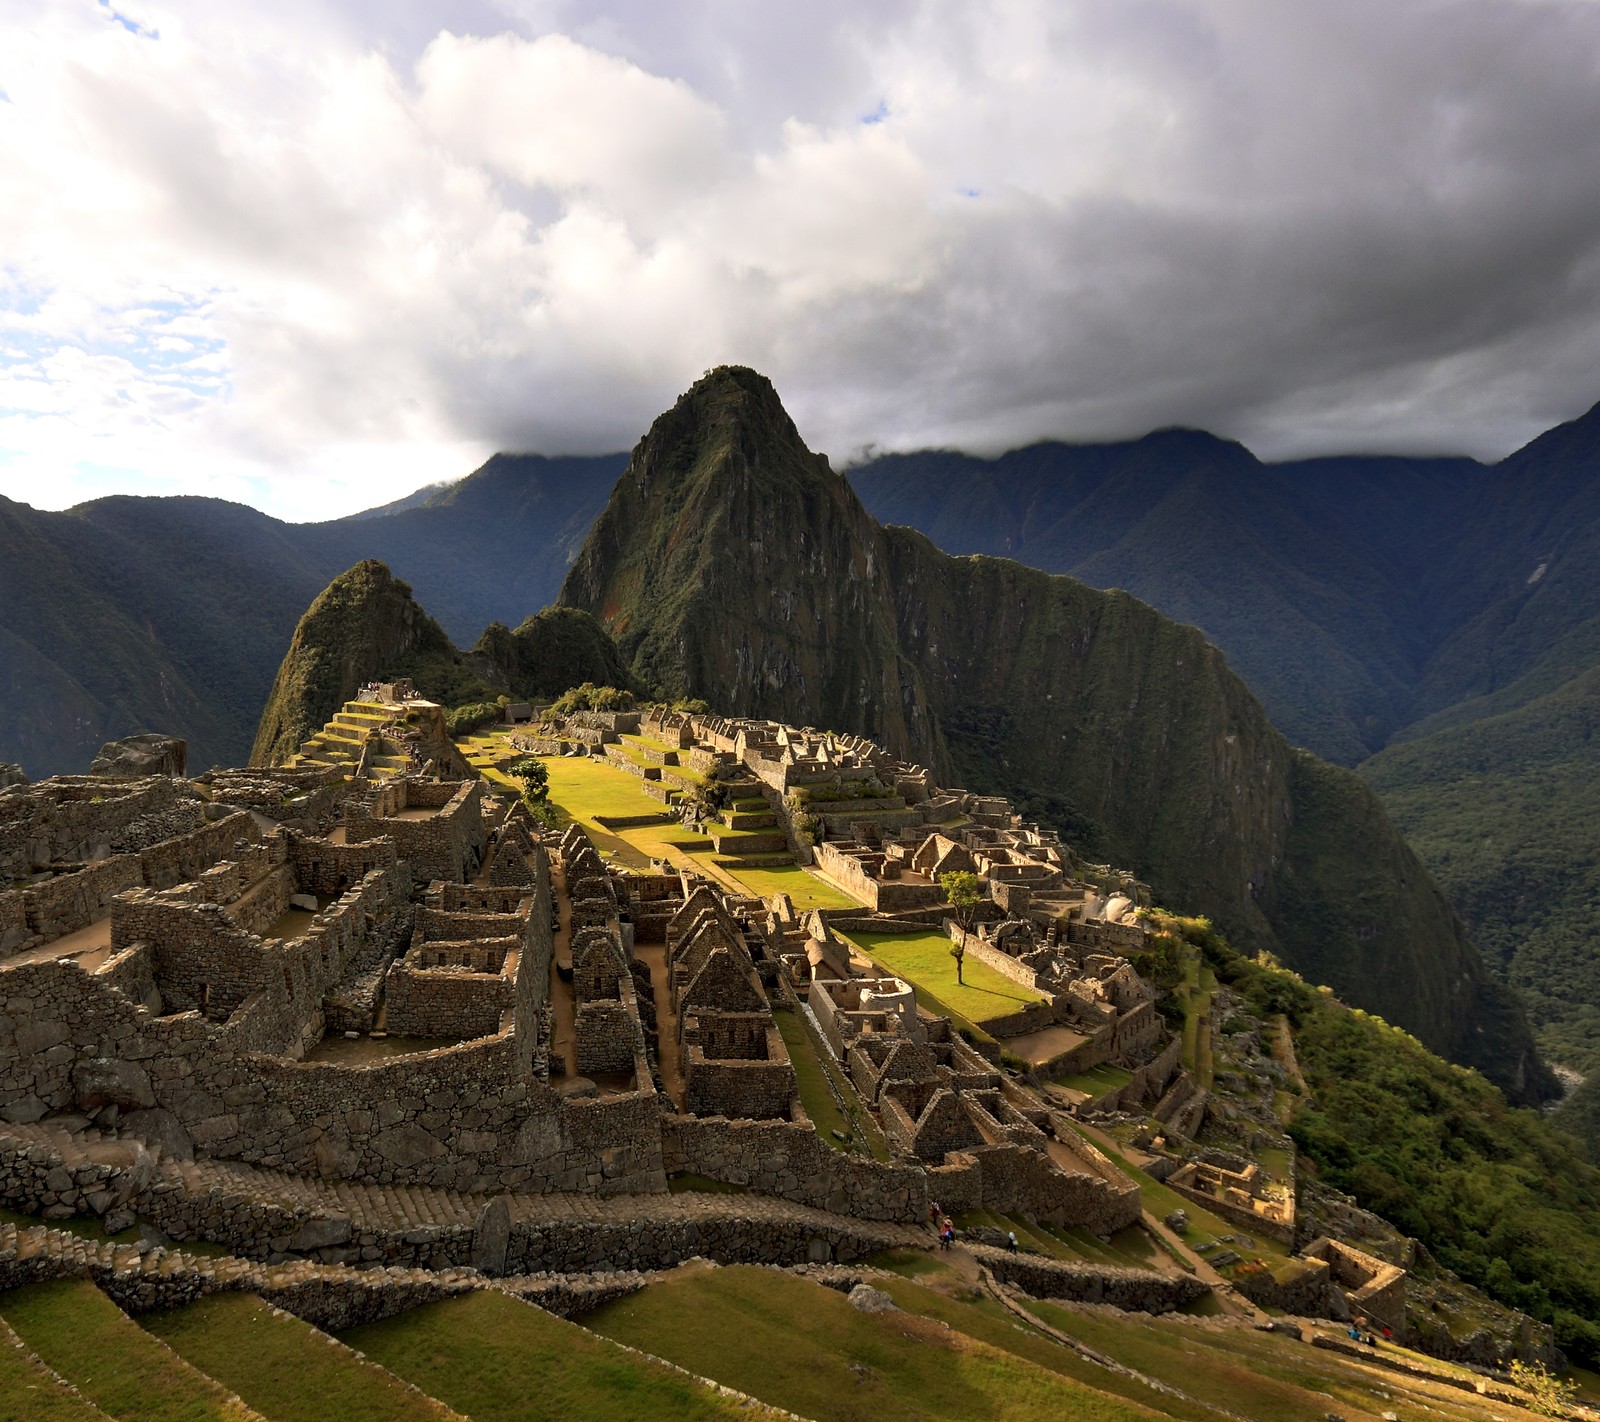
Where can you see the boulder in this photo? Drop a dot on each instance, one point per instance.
(100, 1081)
(871, 1300)
(491, 1237)
(162, 1129)
(146, 754)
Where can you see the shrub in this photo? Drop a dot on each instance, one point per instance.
(464, 720)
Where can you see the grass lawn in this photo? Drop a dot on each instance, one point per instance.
(581, 788)
(285, 1369)
(813, 1071)
(924, 961)
(121, 1369)
(804, 888)
(1097, 1081)
(499, 1360)
(29, 1394)
(797, 1345)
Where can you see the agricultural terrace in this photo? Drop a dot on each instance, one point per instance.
(584, 788)
(924, 961)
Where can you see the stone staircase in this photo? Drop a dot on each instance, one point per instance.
(341, 742)
(747, 833)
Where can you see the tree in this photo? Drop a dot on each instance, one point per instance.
(963, 890)
(1550, 1396)
(535, 778)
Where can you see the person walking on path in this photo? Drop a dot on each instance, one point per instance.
(933, 1214)
(1011, 1241)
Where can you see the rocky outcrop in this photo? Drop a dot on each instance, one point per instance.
(146, 754)
(732, 563)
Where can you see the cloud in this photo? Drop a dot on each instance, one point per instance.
(315, 253)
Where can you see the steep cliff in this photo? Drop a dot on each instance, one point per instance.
(734, 564)
(363, 626)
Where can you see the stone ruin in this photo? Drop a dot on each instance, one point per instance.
(220, 995)
(289, 976)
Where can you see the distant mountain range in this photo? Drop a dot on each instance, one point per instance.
(128, 613)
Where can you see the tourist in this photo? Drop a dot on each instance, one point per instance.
(933, 1214)
(1011, 1241)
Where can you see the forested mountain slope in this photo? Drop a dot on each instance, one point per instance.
(133, 614)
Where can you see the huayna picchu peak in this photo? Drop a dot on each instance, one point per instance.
(733, 564)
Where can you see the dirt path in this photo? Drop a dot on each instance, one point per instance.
(670, 1053)
(563, 1013)
(90, 945)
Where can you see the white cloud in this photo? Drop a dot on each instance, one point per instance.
(307, 253)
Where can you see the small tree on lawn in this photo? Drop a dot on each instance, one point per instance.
(535, 778)
(962, 889)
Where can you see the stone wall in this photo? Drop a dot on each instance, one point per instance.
(1137, 1290)
(447, 845)
(44, 912)
(74, 819)
(446, 1002)
(790, 1161)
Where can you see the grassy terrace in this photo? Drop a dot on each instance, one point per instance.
(1265, 1376)
(798, 1346)
(1096, 1081)
(28, 1393)
(582, 788)
(814, 1068)
(284, 1368)
(497, 1359)
(924, 961)
(76, 1330)
(1204, 1227)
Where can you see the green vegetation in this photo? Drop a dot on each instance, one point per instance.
(1495, 1192)
(28, 1392)
(1097, 1081)
(530, 772)
(548, 653)
(464, 720)
(924, 961)
(795, 1345)
(492, 1357)
(76, 1330)
(814, 1070)
(1502, 811)
(285, 1369)
(1265, 1376)
(363, 626)
(589, 697)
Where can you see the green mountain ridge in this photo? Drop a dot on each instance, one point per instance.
(366, 625)
(734, 564)
(135, 614)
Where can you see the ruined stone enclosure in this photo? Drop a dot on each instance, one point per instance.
(393, 1022)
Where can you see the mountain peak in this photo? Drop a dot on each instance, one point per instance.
(364, 624)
